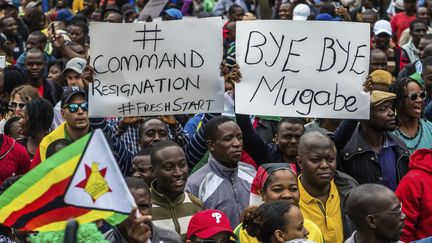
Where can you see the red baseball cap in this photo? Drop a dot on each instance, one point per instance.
(207, 223)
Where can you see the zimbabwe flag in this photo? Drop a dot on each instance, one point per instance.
(81, 181)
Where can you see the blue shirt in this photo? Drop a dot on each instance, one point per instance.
(422, 140)
(387, 159)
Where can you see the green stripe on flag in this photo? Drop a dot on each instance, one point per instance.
(116, 218)
(42, 169)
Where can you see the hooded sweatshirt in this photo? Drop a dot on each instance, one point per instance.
(415, 193)
(14, 159)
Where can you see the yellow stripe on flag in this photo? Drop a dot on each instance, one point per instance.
(56, 175)
(83, 219)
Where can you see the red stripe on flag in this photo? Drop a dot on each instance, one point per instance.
(55, 190)
(55, 215)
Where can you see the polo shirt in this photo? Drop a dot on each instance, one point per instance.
(327, 217)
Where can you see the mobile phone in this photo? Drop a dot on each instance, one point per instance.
(337, 4)
(53, 29)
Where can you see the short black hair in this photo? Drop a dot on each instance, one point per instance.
(154, 158)
(83, 26)
(233, 8)
(134, 183)
(56, 146)
(35, 50)
(362, 201)
(211, 127)
(59, 63)
(291, 120)
(144, 152)
(8, 125)
(417, 21)
(13, 77)
(3, 19)
(42, 37)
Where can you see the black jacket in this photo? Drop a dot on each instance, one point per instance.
(52, 92)
(345, 184)
(360, 161)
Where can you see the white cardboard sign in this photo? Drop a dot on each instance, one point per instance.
(303, 68)
(144, 69)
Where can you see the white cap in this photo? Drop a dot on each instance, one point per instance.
(301, 12)
(399, 4)
(382, 26)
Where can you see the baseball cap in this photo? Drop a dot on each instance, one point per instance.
(326, 17)
(69, 93)
(207, 223)
(33, 4)
(64, 14)
(399, 4)
(77, 64)
(382, 26)
(127, 8)
(301, 12)
(175, 13)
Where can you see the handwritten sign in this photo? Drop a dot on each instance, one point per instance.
(156, 68)
(153, 9)
(302, 68)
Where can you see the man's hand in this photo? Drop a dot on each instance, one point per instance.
(57, 41)
(129, 120)
(139, 230)
(368, 85)
(169, 119)
(234, 76)
(87, 75)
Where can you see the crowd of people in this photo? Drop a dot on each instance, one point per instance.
(222, 178)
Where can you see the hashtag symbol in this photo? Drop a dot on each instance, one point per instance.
(145, 38)
(126, 108)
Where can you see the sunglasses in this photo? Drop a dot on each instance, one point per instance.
(414, 96)
(73, 107)
(14, 105)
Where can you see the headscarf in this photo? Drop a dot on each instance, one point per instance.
(260, 179)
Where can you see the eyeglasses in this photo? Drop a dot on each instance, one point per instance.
(14, 105)
(73, 107)
(398, 211)
(414, 96)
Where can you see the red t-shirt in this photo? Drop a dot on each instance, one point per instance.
(400, 22)
(41, 90)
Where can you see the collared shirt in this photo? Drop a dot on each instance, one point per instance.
(327, 217)
(387, 159)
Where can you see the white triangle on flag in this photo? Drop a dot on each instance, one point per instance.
(97, 182)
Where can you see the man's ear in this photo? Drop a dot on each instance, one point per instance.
(62, 112)
(210, 145)
(370, 221)
(276, 138)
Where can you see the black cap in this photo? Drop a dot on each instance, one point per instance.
(69, 93)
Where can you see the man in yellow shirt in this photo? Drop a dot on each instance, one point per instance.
(322, 188)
